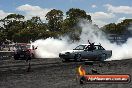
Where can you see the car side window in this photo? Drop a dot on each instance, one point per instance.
(96, 47)
(101, 48)
(80, 47)
(88, 48)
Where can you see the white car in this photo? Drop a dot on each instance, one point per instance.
(83, 52)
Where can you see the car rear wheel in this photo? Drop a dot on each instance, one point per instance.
(65, 60)
(102, 57)
(16, 57)
(77, 57)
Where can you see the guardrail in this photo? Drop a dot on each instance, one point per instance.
(4, 55)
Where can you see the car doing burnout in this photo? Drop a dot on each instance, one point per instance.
(83, 52)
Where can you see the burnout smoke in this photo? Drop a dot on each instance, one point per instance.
(50, 48)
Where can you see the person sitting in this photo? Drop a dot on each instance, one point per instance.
(91, 46)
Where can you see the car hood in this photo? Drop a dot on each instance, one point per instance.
(70, 51)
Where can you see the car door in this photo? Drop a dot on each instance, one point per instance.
(101, 50)
(88, 53)
(93, 54)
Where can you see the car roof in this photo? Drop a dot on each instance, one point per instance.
(89, 44)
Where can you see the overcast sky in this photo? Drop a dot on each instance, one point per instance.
(102, 11)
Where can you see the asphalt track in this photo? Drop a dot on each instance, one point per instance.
(52, 73)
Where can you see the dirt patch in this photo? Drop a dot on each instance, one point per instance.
(62, 75)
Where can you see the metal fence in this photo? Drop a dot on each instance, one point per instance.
(4, 55)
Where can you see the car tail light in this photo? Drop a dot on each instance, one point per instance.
(28, 50)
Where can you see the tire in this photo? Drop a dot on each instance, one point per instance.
(65, 60)
(16, 57)
(77, 57)
(102, 57)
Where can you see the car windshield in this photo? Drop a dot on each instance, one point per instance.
(21, 47)
(80, 47)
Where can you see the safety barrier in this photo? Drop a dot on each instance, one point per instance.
(4, 55)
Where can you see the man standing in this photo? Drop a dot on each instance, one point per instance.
(32, 52)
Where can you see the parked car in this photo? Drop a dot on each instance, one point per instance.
(22, 52)
(84, 52)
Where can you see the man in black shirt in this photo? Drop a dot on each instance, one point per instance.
(91, 47)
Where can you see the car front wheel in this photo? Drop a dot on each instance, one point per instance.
(16, 57)
(77, 57)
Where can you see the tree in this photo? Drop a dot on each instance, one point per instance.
(36, 20)
(2, 37)
(15, 17)
(55, 19)
(75, 14)
(12, 24)
(16, 29)
(119, 28)
(110, 28)
(70, 27)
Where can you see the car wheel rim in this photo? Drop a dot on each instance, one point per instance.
(63, 60)
(103, 57)
(78, 57)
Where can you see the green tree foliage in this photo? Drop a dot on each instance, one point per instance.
(55, 19)
(70, 27)
(75, 14)
(34, 29)
(12, 24)
(119, 28)
(17, 29)
(15, 17)
(110, 28)
(2, 37)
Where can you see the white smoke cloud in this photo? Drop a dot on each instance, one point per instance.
(120, 20)
(95, 35)
(119, 51)
(50, 47)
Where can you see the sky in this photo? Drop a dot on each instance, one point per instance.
(101, 11)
